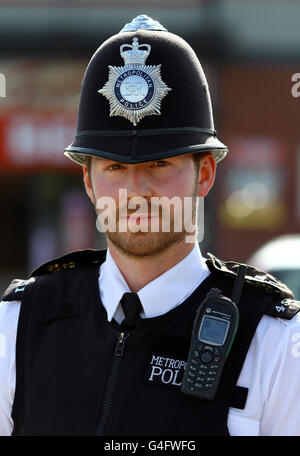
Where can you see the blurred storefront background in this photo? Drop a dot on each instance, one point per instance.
(250, 51)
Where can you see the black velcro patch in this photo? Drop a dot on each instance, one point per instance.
(15, 290)
(286, 308)
(166, 362)
(239, 397)
(59, 310)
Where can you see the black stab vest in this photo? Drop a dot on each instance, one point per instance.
(78, 374)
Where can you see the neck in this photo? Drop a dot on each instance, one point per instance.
(139, 271)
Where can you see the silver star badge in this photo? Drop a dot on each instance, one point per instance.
(134, 90)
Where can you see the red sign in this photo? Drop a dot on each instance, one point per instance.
(36, 141)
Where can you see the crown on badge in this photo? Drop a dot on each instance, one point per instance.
(135, 54)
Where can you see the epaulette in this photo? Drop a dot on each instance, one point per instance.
(70, 261)
(283, 305)
(286, 308)
(15, 290)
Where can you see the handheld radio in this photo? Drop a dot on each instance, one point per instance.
(214, 330)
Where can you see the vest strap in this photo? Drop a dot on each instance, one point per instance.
(239, 283)
(239, 397)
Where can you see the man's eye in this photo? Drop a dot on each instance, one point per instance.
(160, 163)
(114, 167)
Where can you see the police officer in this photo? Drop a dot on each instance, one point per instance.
(98, 342)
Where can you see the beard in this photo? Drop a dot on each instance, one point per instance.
(144, 244)
(149, 243)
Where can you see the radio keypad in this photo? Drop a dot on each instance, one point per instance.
(205, 357)
(207, 370)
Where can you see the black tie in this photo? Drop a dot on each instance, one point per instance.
(131, 306)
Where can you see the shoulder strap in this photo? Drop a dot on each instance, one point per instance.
(69, 261)
(15, 290)
(285, 308)
(283, 305)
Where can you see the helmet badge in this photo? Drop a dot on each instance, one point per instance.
(134, 90)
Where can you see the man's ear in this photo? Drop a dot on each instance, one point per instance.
(88, 184)
(207, 174)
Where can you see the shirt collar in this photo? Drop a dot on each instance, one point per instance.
(160, 295)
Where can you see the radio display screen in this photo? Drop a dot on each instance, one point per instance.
(213, 330)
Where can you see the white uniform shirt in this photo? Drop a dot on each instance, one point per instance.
(271, 370)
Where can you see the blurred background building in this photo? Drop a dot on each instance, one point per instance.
(250, 51)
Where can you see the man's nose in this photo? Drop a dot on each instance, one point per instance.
(138, 184)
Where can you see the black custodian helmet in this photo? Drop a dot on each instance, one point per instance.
(144, 97)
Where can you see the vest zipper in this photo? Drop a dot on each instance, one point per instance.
(111, 382)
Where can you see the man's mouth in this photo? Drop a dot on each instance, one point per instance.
(140, 218)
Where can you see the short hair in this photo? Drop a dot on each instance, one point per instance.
(197, 159)
(88, 164)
